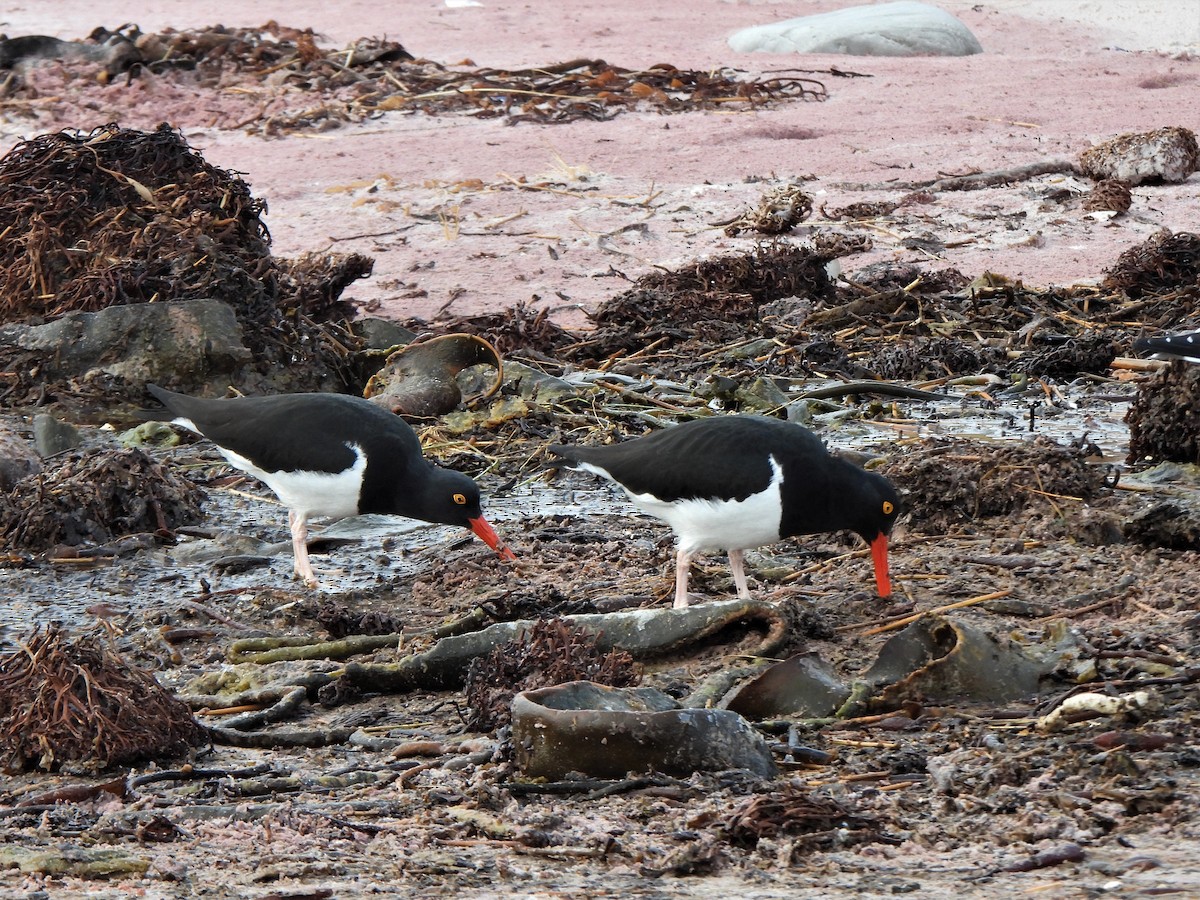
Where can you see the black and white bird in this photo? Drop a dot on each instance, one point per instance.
(333, 455)
(1185, 346)
(736, 482)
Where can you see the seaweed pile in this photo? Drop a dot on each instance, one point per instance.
(118, 216)
(374, 76)
(96, 497)
(75, 701)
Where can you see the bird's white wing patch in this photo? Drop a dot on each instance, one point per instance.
(706, 525)
(1185, 346)
(333, 494)
(185, 422)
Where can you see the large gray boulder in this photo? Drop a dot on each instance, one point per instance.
(187, 341)
(888, 29)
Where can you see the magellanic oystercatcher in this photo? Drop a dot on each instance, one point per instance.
(735, 482)
(333, 455)
(1185, 346)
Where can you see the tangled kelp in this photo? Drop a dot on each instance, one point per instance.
(1164, 263)
(551, 652)
(949, 482)
(95, 498)
(1164, 418)
(119, 217)
(76, 701)
(373, 76)
(711, 301)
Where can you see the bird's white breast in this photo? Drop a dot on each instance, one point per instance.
(706, 525)
(333, 494)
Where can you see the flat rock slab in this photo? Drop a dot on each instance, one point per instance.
(186, 340)
(888, 29)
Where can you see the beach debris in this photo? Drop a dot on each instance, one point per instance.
(1173, 523)
(84, 863)
(95, 498)
(710, 301)
(810, 820)
(1168, 154)
(607, 732)
(640, 633)
(551, 652)
(109, 54)
(1164, 263)
(1091, 351)
(938, 657)
(857, 211)
(1109, 195)
(1131, 707)
(74, 702)
(421, 379)
(1164, 417)
(945, 482)
(803, 685)
(315, 87)
(934, 658)
(160, 225)
(779, 211)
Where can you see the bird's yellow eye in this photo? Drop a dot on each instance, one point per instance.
(887, 507)
(460, 499)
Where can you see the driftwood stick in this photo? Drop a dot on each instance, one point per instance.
(974, 181)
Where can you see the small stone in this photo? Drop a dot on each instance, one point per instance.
(51, 437)
(17, 456)
(1166, 154)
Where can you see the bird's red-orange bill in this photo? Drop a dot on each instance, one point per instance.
(879, 553)
(487, 534)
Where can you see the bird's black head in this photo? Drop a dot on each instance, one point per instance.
(876, 506)
(452, 498)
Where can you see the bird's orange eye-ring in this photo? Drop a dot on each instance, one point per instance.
(460, 499)
(887, 507)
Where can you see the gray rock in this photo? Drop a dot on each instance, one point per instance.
(52, 437)
(531, 383)
(381, 334)
(888, 29)
(187, 341)
(17, 456)
(1166, 154)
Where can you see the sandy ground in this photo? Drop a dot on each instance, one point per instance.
(433, 200)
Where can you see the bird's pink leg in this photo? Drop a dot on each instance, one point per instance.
(303, 567)
(683, 561)
(737, 562)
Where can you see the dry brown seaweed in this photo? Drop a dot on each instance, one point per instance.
(373, 76)
(1161, 264)
(94, 498)
(1164, 418)
(551, 652)
(813, 821)
(949, 482)
(76, 701)
(119, 216)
